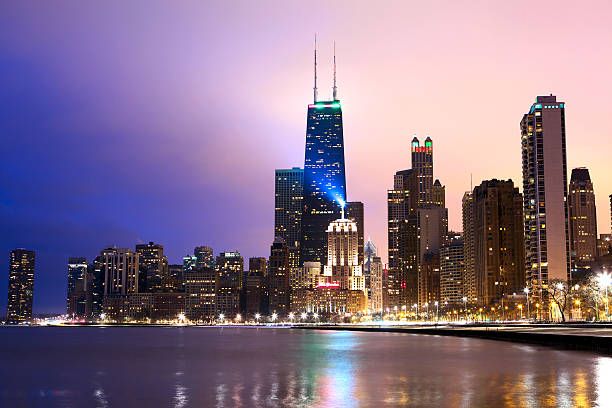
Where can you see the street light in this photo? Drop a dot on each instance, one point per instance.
(579, 311)
(465, 306)
(257, 316)
(520, 306)
(316, 316)
(437, 311)
(304, 315)
(238, 317)
(526, 290)
(426, 310)
(291, 317)
(221, 316)
(604, 280)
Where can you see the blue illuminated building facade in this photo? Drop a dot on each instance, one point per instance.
(324, 177)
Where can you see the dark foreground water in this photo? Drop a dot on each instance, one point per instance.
(214, 367)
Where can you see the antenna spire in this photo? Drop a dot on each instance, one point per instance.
(335, 87)
(315, 69)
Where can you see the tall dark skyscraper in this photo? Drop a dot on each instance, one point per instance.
(154, 264)
(288, 207)
(76, 293)
(354, 211)
(582, 216)
(279, 277)
(547, 248)
(324, 176)
(21, 286)
(422, 163)
(204, 256)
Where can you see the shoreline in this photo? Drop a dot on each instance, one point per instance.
(536, 335)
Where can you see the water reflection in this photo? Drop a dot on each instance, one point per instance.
(266, 368)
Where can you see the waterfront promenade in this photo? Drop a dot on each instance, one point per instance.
(579, 336)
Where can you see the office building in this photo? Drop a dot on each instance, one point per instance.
(422, 164)
(204, 256)
(288, 205)
(121, 271)
(547, 244)
(230, 266)
(20, 286)
(200, 285)
(153, 264)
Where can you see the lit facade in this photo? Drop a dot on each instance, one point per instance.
(354, 211)
(200, 287)
(343, 255)
(452, 269)
(288, 207)
(279, 271)
(422, 164)
(21, 286)
(324, 177)
(121, 268)
(204, 256)
(153, 263)
(375, 294)
(547, 243)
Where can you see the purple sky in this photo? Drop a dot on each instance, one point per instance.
(124, 122)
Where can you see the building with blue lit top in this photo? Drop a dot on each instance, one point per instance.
(324, 177)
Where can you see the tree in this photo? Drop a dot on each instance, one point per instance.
(559, 293)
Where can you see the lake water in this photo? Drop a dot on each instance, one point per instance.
(248, 367)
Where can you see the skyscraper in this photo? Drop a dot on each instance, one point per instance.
(439, 194)
(422, 163)
(402, 203)
(547, 242)
(278, 276)
(368, 257)
(375, 289)
(21, 286)
(324, 176)
(76, 293)
(343, 255)
(288, 205)
(495, 227)
(452, 268)
(468, 280)
(582, 216)
(354, 211)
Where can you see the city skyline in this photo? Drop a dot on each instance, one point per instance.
(65, 213)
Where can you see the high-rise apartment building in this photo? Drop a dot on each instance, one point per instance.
(452, 269)
(375, 289)
(288, 205)
(496, 250)
(324, 175)
(547, 243)
(279, 271)
(468, 279)
(582, 216)
(76, 293)
(121, 271)
(432, 223)
(21, 286)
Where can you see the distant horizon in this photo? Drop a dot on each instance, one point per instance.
(169, 129)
